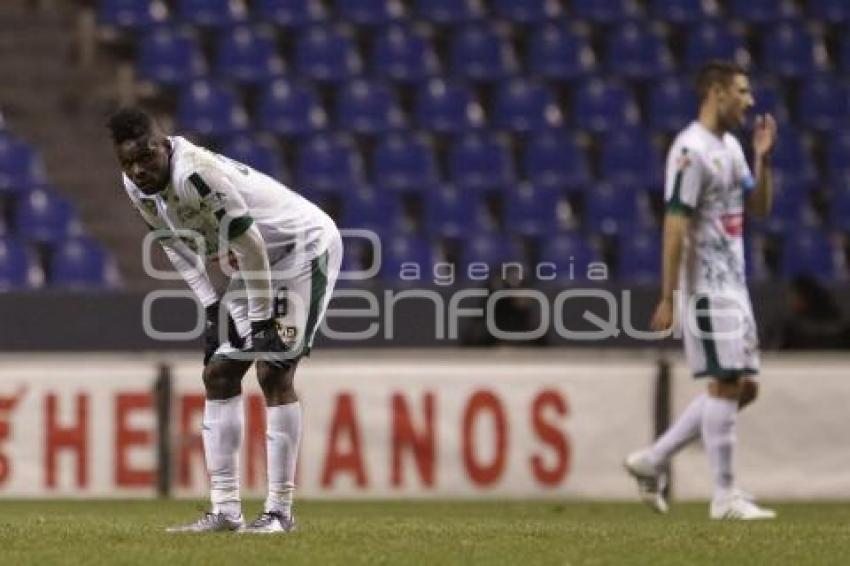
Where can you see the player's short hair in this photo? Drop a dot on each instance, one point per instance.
(129, 124)
(714, 72)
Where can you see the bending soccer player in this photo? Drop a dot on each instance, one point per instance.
(708, 183)
(286, 255)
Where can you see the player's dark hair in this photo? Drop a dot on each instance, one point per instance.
(129, 124)
(715, 72)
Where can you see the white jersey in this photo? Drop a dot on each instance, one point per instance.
(219, 198)
(707, 178)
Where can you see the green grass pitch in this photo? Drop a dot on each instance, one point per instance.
(438, 533)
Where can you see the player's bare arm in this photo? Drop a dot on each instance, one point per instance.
(764, 140)
(675, 230)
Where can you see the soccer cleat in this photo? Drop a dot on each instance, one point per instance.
(738, 506)
(210, 523)
(270, 522)
(651, 482)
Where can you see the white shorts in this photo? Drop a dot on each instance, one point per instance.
(720, 336)
(301, 296)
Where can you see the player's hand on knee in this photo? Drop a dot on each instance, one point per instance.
(266, 343)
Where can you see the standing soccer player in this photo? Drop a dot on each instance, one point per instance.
(708, 183)
(286, 253)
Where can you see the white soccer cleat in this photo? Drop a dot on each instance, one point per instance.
(210, 523)
(270, 522)
(650, 480)
(739, 506)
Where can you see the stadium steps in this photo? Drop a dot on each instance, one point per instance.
(60, 108)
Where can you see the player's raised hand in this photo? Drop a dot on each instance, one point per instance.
(764, 135)
(662, 319)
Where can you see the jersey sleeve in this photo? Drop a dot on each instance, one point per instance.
(188, 263)
(743, 172)
(209, 187)
(683, 182)
(213, 188)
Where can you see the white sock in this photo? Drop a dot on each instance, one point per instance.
(283, 434)
(718, 433)
(685, 430)
(222, 434)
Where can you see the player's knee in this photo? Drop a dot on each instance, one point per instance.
(749, 392)
(220, 382)
(277, 383)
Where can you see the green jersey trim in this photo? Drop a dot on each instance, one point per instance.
(675, 204)
(238, 226)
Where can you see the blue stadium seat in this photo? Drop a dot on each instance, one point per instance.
(131, 14)
(637, 53)
(839, 202)
(370, 12)
(448, 108)
(711, 40)
(525, 106)
(399, 250)
(212, 13)
(18, 267)
(793, 159)
(808, 251)
(368, 107)
(824, 104)
(454, 213)
(404, 162)
(449, 12)
(364, 206)
(555, 159)
(569, 253)
(527, 11)
(770, 98)
(832, 11)
(763, 11)
(482, 53)
(491, 250)
(681, 11)
(605, 105)
(789, 206)
(290, 108)
(248, 54)
(481, 162)
(20, 166)
(610, 209)
(838, 152)
(258, 152)
(290, 13)
(640, 258)
(43, 216)
(169, 56)
(532, 210)
(328, 54)
(672, 104)
(790, 51)
(605, 11)
(630, 159)
(559, 52)
(405, 54)
(210, 109)
(80, 263)
(329, 163)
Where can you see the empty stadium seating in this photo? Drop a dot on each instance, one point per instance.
(541, 120)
